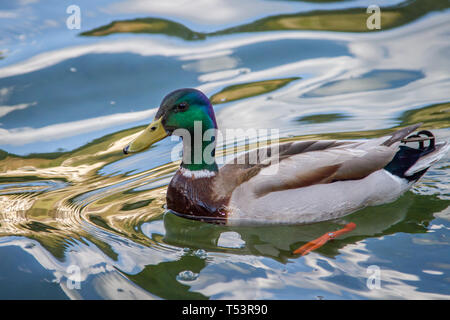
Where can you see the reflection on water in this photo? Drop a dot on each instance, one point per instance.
(70, 101)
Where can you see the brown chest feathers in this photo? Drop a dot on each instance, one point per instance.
(195, 198)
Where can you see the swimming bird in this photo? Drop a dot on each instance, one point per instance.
(289, 183)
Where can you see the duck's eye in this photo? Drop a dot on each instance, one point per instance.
(182, 106)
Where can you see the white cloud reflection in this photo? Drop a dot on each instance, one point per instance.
(58, 131)
(205, 12)
(153, 47)
(4, 110)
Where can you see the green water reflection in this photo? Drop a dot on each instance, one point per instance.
(68, 196)
(347, 20)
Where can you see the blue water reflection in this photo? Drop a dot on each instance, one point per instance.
(71, 99)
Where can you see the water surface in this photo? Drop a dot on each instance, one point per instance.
(71, 99)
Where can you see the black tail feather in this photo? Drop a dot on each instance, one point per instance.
(406, 157)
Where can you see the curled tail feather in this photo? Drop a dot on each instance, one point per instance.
(411, 163)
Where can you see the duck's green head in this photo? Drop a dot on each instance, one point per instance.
(180, 109)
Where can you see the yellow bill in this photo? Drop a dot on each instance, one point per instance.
(152, 134)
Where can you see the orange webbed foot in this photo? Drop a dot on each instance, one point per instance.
(317, 243)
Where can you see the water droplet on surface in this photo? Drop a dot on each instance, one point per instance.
(187, 275)
(200, 253)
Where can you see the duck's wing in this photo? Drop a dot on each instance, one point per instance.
(343, 162)
(299, 164)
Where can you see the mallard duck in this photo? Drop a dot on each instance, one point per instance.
(313, 181)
